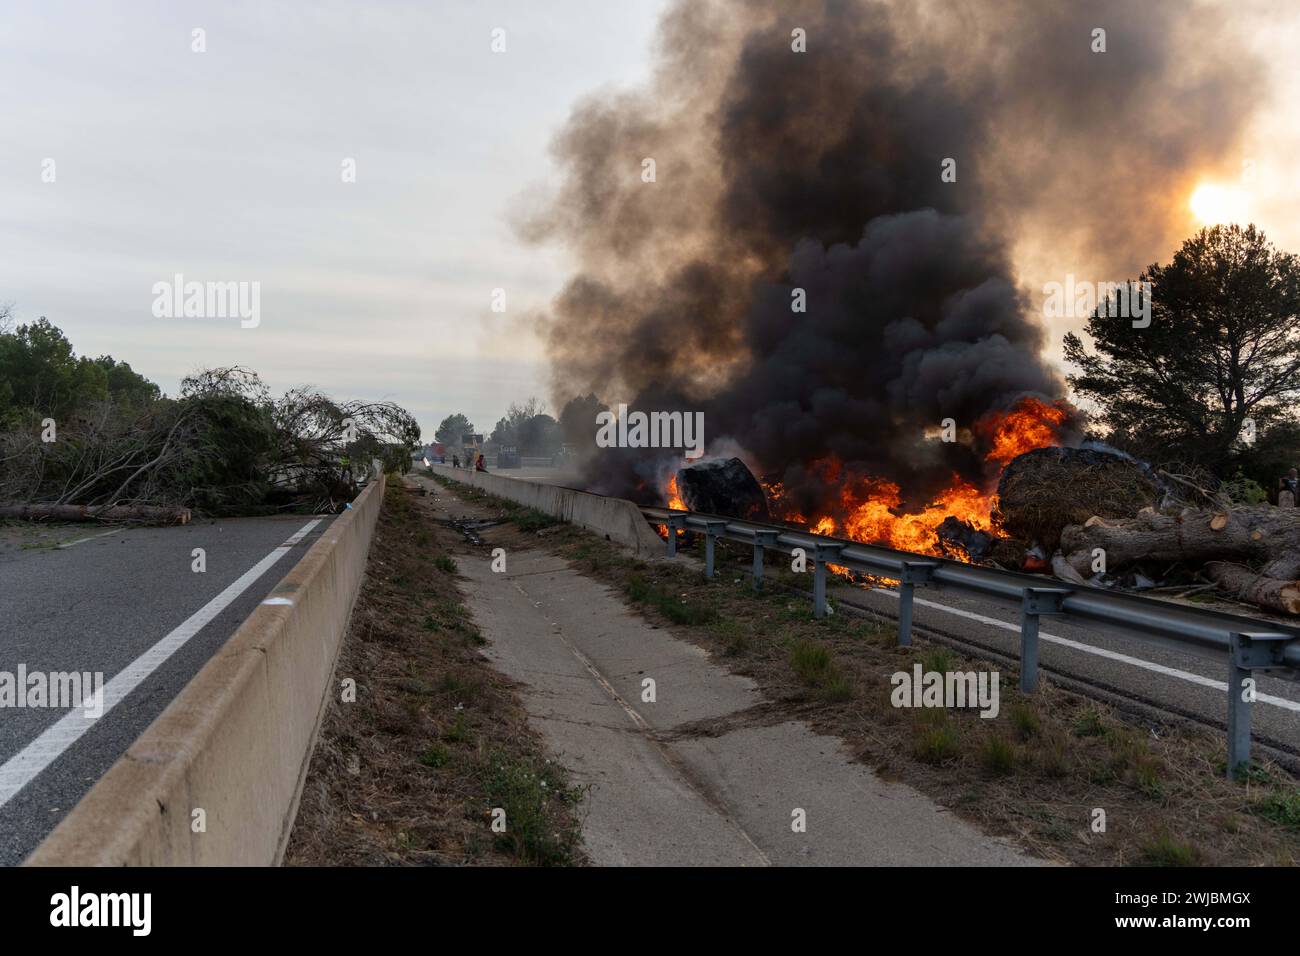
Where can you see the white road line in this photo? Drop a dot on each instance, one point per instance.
(1101, 652)
(22, 768)
(104, 534)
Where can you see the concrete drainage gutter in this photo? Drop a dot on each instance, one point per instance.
(236, 742)
(616, 519)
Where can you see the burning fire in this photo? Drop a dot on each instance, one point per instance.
(1031, 424)
(870, 509)
(674, 497)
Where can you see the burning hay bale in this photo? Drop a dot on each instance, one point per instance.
(722, 487)
(1043, 491)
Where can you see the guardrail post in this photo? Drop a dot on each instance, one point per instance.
(711, 531)
(1247, 651)
(675, 523)
(762, 539)
(914, 573)
(1035, 602)
(821, 554)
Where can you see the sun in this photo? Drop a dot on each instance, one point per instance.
(1214, 204)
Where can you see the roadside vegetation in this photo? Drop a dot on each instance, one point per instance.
(94, 432)
(436, 740)
(1038, 772)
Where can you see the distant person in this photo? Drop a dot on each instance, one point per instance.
(481, 464)
(1288, 489)
(455, 461)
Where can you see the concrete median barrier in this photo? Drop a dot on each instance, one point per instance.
(615, 518)
(236, 742)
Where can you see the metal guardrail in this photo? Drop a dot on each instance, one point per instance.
(1249, 644)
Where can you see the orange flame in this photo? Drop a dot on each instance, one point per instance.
(870, 510)
(871, 514)
(674, 498)
(1030, 424)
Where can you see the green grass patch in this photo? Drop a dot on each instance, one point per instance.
(445, 562)
(1051, 756)
(813, 664)
(936, 740)
(460, 689)
(538, 825)
(998, 755)
(1025, 720)
(734, 635)
(937, 659)
(1089, 724)
(1164, 850)
(676, 608)
(1281, 808)
(458, 733)
(436, 756)
(811, 661)
(530, 519)
(836, 688)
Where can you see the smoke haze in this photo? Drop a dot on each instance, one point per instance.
(821, 171)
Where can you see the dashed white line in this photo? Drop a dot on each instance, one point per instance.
(23, 767)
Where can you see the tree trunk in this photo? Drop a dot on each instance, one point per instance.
(141, 513)
(1274, 594)
(1259, 533)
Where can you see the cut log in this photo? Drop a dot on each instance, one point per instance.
(147, 514)
(1258, 533)
(1275, 594)
(1218, 522)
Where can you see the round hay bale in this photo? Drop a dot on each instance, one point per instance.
(722, 486)
(1042, 491)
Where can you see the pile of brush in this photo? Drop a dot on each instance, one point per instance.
(1095, 516)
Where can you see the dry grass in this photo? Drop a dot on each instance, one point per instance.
(410, 772)
(1045, 490)
(1035, 773)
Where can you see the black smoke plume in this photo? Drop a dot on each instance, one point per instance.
(821, 171)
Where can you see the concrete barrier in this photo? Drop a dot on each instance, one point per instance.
(237, 740)
(615, 518)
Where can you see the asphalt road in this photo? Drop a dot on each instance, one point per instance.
(1127, 665)
(130, 605)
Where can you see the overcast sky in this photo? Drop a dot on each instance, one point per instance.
(226, 166)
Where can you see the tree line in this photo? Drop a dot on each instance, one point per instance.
(92, 431)
(1210, 385)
